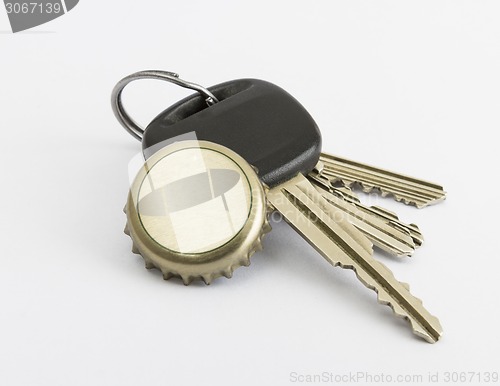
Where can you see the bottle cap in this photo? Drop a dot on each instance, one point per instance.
(196, 210)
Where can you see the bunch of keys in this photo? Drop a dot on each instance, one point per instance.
(219, 162)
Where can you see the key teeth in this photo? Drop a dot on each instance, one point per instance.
(405, 189)
(405, 200)
(417, 236)
(417, 229)
(383, 297)
(367, 188)
(346, 182)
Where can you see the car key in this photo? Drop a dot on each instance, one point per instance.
(255, 123)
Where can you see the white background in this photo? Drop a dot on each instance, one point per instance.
(411, 86)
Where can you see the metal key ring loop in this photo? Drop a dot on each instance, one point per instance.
(119, 110)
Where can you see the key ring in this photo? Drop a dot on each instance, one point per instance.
(119, 110)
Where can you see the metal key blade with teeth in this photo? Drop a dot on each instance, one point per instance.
(394, 240)
(390, 234)
(412, 229)
(407, 189)
(341, 244)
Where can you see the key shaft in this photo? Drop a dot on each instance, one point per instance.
(341, 244)
(395, 241)
(390, 233)
(404, 188)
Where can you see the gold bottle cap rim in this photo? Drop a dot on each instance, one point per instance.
(196, 210)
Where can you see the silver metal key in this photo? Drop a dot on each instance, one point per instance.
(380, 225)
(323, 225)
(403, 188)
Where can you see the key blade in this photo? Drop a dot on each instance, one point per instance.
(413, 229)
(403, 188)
(341, 244)
(392, 239)
(386, 221)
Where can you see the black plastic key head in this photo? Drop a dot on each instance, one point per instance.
(260, 121)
